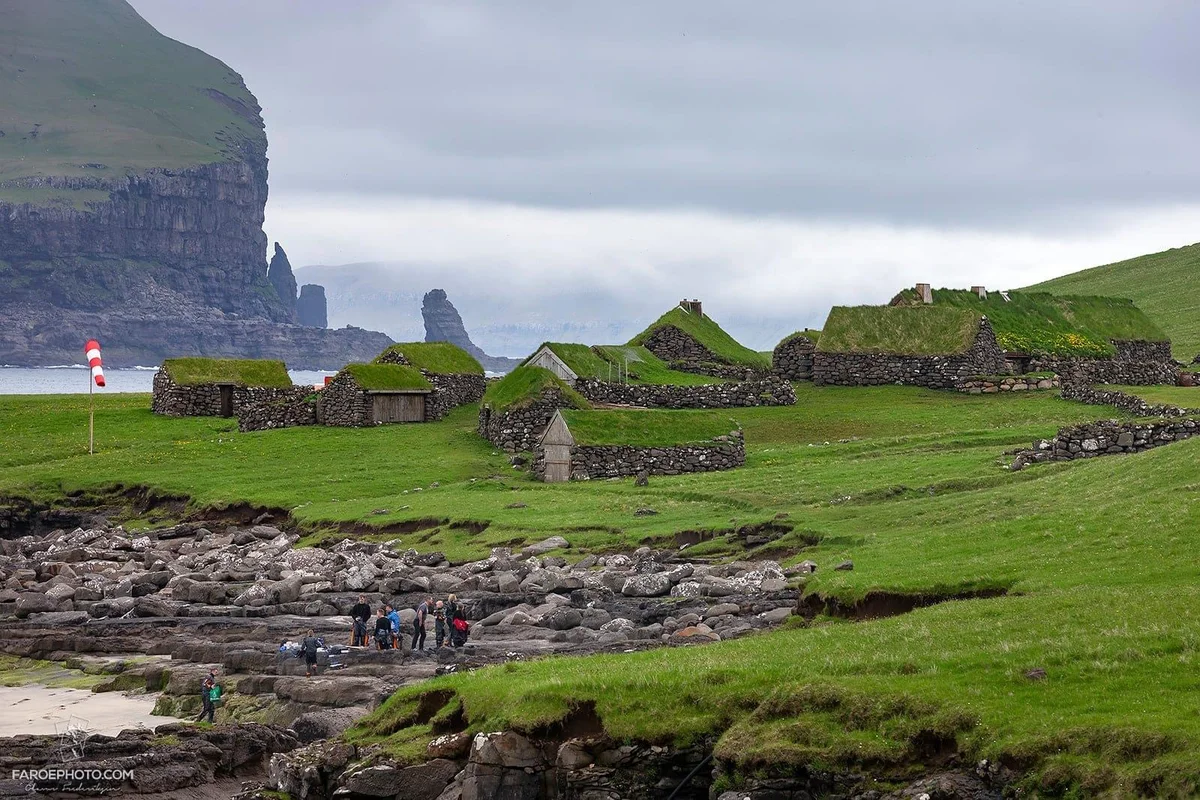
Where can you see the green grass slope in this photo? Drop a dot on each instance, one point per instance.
(634, 363)
(91, 89)
(898, 330)
(1162, 284)
(238, 371)
(1097, 557)
(387, 377)
(704, 330)
(440, 358)
(523, 385)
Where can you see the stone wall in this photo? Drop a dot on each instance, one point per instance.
(344, 403)
(1141, 350)
(1124, 371)
(1126, 402)
(449, 390)
(204, 400)
(793, 358)
(518, 428)
(767, 392)
(619, 461)
(1106, 437)
(936, 372)
(1012, 383)
(298, 408)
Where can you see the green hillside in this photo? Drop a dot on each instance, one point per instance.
(1162, 284)
(90, 89)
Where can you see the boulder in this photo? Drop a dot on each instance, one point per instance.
(562, 619)
(696, 634)
(653, 585)
(33, 602)
(545, 546)
(326, 723)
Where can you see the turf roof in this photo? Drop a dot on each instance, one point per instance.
(387, 377)
(262, 373)
(524, 384)
(440, 358)
(898, 330)
(1041, 323)
(647, 427)
(606, 362)
(709, 334)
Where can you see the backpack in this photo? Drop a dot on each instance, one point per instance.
(460, 625)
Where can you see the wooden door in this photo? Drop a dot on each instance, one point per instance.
(399, 407)
(226, 401)
(558, 463)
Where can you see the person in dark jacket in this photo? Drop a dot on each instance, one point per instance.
(309, 647)
(383, 631)
(207, 707)
(418, 640)
(456, 617)
(360, 614)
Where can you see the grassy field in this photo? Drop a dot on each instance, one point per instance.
(1097, 558)
(704, 330)
(440, 358)
(91, 89)
(1181, 396)
(1162, 284)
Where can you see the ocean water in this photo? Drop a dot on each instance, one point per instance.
(76, 379)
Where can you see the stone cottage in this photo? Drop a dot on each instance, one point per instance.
(374, 394)
(218, 387)
(455, 377)
(689, 341)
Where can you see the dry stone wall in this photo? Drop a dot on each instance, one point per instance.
(204, 400)
(619, 461)
(518, 429)
(1106, 437)
(793, 358)
(1012, 383)
(298, 408)
(771, 391)
(935, 372)
(344, 403)
(1135, 364)
(1126, 402)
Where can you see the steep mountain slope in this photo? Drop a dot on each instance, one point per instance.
(133, 184)
(93, 90)
(1162, 284)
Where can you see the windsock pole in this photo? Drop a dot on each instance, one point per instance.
(95, 378)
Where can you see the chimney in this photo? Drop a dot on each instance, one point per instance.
(697, 309)
(980, 291)
(925, 293)
(691, 306)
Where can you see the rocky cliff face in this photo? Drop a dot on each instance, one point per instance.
(279, 275)
(161, 260)
(444, 324)
(311, 308)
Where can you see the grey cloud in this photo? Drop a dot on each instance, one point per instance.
(939, 113)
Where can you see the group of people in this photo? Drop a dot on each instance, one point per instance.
(450, 625)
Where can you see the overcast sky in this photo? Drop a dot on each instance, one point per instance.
(770, 157)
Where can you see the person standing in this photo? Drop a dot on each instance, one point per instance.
(439, 623)
(206, 697)
(418, 639)
(309, 646)
(360, 612)
(394, 617)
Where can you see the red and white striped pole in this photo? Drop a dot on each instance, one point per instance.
(92, 352)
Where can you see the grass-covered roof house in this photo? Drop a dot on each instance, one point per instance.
(455, 378)
(937, 337)
(689, 341)
(374, 394)
(216, 387)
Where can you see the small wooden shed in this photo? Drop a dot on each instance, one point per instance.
(556, 443)
(548, 359)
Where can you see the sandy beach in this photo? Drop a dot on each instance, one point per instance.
(37, 709)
